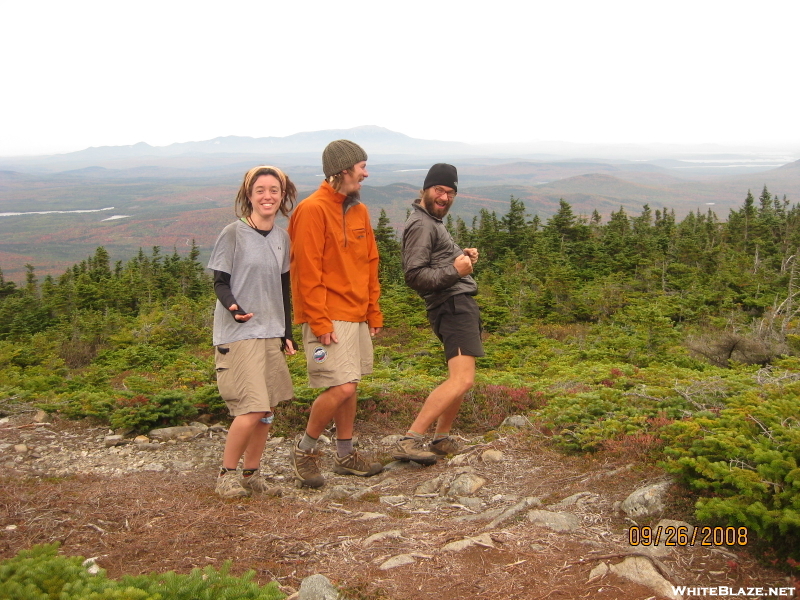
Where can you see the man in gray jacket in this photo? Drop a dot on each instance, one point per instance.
(439, 271)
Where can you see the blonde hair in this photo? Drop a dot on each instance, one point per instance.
(336, 179)
(244, 208)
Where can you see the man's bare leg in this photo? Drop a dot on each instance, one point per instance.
(445, 400)
(328, 406)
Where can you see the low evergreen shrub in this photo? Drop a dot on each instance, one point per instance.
(40, 573)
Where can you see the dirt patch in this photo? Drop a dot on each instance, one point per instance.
(136, 518)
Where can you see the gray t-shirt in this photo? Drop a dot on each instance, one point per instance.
(255, 263)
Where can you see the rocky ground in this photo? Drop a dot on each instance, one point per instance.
(507, 519)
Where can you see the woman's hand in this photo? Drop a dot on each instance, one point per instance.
(240, 318)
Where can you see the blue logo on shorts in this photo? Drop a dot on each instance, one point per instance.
(319, 355)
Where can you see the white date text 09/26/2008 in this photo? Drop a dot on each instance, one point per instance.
(683, 535)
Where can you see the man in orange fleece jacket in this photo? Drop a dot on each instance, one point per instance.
(335, 289)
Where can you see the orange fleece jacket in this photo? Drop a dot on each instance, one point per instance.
(334, 262)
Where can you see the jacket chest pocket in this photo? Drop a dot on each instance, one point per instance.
(357, 241)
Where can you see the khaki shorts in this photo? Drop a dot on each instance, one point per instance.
(252, 375)
(340, 363)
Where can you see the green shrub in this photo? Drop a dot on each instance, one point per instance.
(41, 574)
(82, 404)
(743, 462)
(141, 413)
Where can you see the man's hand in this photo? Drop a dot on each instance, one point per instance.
(373, 331)
(326, 339)
(240, 318)
(472, 253)
(290, 349)
(463, 265)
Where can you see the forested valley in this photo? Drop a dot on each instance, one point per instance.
(672, 342)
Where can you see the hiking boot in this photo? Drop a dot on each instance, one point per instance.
(306, 465)
(445, 446)
(230, 485)
(355, 464)
(408, 449)
(258, 483)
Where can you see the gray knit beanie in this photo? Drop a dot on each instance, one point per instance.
(340, 155)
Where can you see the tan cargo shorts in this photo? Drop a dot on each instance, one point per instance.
(252, 375)
(343, 362)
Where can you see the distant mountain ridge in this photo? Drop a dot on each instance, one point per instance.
(379, 140)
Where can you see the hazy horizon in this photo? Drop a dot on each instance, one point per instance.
(484, 147)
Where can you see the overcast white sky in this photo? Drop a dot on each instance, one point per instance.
(79, 74)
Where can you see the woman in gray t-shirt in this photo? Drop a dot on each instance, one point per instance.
(252, 324)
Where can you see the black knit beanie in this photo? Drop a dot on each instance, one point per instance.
(340, 155)
(441, 174)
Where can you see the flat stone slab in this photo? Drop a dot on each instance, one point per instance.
(557, 521)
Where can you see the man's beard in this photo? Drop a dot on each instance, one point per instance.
(429, 202)
(354, 196)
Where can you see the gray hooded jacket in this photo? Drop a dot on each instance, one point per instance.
(428, 255)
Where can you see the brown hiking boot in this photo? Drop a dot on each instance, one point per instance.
(408, 449)
(306, 465)
(258, 483)
(355, 464)
(230, 485)
(445, 446)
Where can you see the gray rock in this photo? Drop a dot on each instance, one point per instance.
(318, 587)
(640, 570)
(399, 464)
(484, 540)
(512, 511)
(369, 516)
(492, 456)
(397, 561)
(91, 565)
(339, 492)
(383, 535)
(391, 440)
(516, 421)
(174, 433)
(393, 500)
(466, 485)
(647, 501)
(40, 416)
(112, 440)
(557, 521)
(599, 571)
(470, 502)
(20, 448)
(431, 486)
(141, 439)
(149, 447)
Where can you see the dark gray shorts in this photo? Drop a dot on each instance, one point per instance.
(457, 323)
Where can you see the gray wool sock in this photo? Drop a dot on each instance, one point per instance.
(307, 443)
